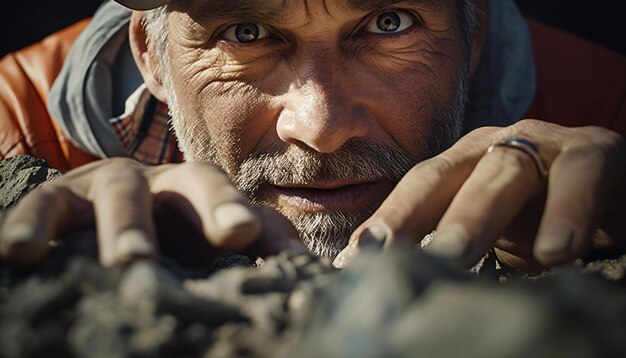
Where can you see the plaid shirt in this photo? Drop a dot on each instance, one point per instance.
(145, 131)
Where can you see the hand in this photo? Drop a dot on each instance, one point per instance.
(478, 200)
(132, 205)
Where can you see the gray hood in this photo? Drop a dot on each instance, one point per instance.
(99, 74)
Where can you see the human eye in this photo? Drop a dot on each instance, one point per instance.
(390, 22)
(245, 33)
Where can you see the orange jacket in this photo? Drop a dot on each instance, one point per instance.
(25, 124)
(578, 83)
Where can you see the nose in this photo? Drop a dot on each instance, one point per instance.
(321, 113)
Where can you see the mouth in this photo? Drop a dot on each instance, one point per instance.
(331, 195)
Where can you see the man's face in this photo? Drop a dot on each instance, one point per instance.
(315, 108)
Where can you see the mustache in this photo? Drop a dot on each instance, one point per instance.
(357, 159)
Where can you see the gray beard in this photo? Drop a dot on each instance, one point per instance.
(323, 233)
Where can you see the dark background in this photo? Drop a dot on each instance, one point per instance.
(23, 22)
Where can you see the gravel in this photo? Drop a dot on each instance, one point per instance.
(400, 302)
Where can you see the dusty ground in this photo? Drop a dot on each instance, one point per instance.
(399, 303)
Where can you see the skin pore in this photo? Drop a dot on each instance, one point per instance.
(314, 108)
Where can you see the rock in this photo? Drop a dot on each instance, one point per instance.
(21, 174)
(611, 269)
(394, 304)
(406, 305)
(87, 276)
(229, 260)
(259, 285)
(398, 303)
(37, 300)
(101, 329)
(36, 317)
(151, 290)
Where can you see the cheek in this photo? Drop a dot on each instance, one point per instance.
(234, 114)
(409, 86)
(408, 105)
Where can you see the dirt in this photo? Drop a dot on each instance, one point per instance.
(400, 302)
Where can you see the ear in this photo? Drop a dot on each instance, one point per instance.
(145, 55)
(480, 36)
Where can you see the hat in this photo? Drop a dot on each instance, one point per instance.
(142, 4)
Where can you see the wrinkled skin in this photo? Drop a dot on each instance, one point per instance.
(478, 201)
(317, 79)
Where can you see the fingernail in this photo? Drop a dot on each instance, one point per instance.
(21, 244)
(233, 215)
(373, 236)
(346, 256)
(450, 243)
(555, 241)
(134, 243)
(16, 238)
(20, 234)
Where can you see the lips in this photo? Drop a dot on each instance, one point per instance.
(331, 196)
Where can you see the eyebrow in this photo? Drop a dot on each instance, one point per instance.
(274, 10)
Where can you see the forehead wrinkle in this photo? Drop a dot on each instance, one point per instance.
(270, 10)
(278, 10)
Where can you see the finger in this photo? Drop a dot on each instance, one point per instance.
(374, 237)
(224, 215)
(418, 202)
(577, 192)
(40, 217)
(515, 247)
(414, 207)
(123, 213)
(502, 182)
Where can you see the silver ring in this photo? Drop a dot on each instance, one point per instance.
(525, 146)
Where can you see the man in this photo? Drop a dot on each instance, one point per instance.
(343, 118)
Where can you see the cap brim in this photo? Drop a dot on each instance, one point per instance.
(142, 4)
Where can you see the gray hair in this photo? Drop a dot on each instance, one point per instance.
(157, 34)
(323, 233)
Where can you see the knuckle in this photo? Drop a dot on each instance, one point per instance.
(47, 195)
(212, 178)
(536, 129)
(602, 137)
(529, 123)
(121, 166)
(597, 146)
(440, 165)
(123, 172)
(202, 171)
(473, 144)
(430, 172)
(598, 132)
(482, 132)
(201, 166)
(587, 152)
